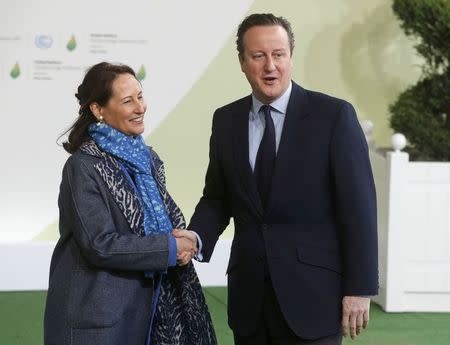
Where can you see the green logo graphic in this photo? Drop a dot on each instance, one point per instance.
(15, 72)
(141, 73)
(72, 44)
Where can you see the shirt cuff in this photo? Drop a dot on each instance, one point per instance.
(172, 251)
(199, 256)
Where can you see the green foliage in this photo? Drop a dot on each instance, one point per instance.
(422, 112)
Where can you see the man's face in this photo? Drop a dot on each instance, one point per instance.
(267, 61)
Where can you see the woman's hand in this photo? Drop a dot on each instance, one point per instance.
(186, 246)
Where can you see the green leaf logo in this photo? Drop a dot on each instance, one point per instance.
(141, 73)
(72, 44)
(15, 72)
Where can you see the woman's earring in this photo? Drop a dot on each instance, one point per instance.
(100, 121)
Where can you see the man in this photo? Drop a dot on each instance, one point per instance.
(291, 167)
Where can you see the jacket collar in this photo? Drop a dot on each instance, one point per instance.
(297, 110)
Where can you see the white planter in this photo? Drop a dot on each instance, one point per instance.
(413, 232)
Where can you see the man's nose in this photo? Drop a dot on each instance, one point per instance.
(270, 64)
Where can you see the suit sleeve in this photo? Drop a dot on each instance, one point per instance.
(84, 208)
(355, 201)
(212, 215)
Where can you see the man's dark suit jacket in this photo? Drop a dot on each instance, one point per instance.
(318, 234)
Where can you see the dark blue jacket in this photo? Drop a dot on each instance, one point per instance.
(318, 234)
(97, 288)
(97, 291)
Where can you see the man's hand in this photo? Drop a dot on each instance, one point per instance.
(186, 245)
(355, 311)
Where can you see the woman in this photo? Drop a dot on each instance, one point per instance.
(114, 277)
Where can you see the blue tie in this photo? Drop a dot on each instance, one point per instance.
(265, 158)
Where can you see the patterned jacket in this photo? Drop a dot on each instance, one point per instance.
(97, 290)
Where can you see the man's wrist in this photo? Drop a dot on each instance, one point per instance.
(199, 255)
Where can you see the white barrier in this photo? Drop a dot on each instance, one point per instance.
(413, 232)
(25, 266)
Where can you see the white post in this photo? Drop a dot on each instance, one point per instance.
(397, 165)
(367, 127)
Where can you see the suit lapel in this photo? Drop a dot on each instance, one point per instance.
(296, 112)
(241, 154)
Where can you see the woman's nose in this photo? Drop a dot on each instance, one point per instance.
(140, 106)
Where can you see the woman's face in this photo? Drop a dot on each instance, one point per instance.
(126, 108)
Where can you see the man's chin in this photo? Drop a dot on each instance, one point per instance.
(271, 95)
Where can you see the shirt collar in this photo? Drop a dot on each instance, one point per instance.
(280, 104)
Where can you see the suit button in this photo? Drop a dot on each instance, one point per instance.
(265, 227)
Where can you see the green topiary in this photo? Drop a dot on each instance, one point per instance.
(422, 112)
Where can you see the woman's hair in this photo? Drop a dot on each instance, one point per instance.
(96, 87)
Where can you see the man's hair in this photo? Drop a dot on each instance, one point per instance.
(262, 19)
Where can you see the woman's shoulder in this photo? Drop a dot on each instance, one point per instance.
(80, 163)
(82, 158)
(154, 155)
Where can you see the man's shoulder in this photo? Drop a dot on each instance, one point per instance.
(237, 105)
(225, 115)
(328, 108)
(320, 99)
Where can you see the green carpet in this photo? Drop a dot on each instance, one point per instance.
(21, 322)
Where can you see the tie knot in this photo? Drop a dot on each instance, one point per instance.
(266, 110)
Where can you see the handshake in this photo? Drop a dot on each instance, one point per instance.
(187, 246)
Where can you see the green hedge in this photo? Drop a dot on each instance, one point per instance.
(422, 112)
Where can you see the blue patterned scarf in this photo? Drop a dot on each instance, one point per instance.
(179, 314)
(135, 156)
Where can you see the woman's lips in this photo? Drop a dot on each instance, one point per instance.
(137, 119)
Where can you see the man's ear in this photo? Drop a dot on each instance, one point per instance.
(241, 61)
